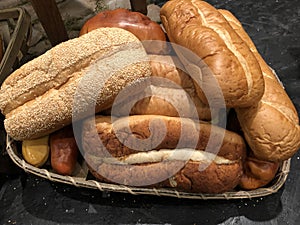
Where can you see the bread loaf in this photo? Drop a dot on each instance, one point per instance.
(169, 162)
(271, 127)
(257, 173)
(38, 98)
(135, 22)
(171, 92)
(201, 28)
(64, 151)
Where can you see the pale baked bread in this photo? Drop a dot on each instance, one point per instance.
(120, 158)
(171, 92)
(271, 127)
(201, 28)
(38, 98)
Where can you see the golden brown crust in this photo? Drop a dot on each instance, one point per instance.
(201, 28)
(214, 179)
(271, 127)
(170, 67)
(38, 98)
(171, 94)
(135, 22)
(233, 146)
(223, 174)
(257, 173)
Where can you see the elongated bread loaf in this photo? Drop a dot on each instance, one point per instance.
(171, 159)
(171, 92)
(271, 127)
(201, 28)
(38, 98)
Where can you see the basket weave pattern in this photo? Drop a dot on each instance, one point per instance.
(79, 181)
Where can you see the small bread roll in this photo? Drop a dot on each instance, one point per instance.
(135, 22)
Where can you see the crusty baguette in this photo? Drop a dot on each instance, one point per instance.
(271, 127)
(171, 92)
(201, 28)
(120, 159)
(38, 98)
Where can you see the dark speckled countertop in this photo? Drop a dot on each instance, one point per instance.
(274, 26)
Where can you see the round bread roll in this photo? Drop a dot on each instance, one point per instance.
(201, 28)
(137, 23)
(271, 126)
(170, 162)
(38, 98)
(257, 173)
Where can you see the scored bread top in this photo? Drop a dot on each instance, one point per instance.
(271, 127)
(199, 27)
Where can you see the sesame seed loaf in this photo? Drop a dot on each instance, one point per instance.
(38, 98)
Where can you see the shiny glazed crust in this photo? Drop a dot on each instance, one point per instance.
(135, 22)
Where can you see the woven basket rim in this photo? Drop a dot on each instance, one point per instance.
(19, 39)
(279, 181)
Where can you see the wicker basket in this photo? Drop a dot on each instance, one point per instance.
(80, 180)
(15, 32)
(17, 45)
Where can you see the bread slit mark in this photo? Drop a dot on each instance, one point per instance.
(203, 18)
(228, 42)
(268, 76)
(276, 77)
(243, 62)
(282, 109)
(156, 156)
